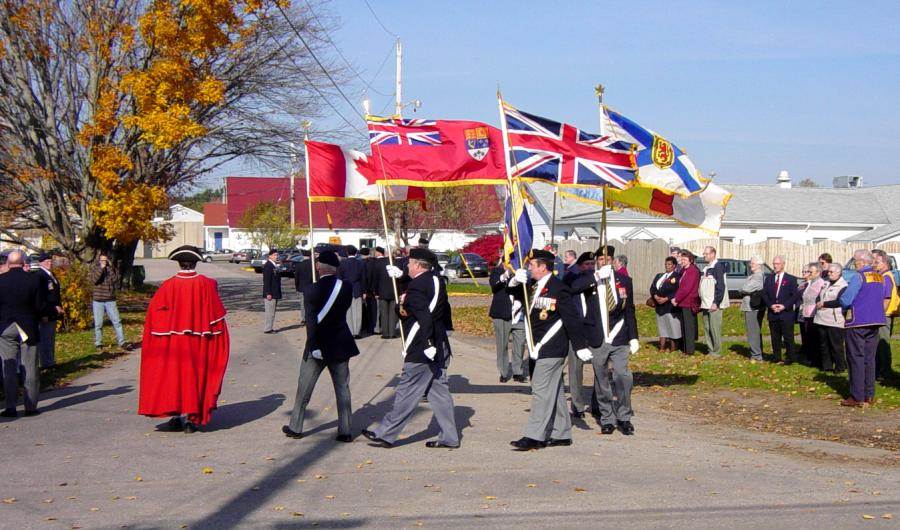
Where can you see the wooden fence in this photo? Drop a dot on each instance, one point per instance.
(645, 259)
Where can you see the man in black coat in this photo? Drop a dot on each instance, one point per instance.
(780, 295)
(21, 306)
(369, 302)
(425, 357)
(53, 311)
(585, 305)
(329, 344)
(387, 301)
(271, 290)
(508, 317)
(303, 276)
(351, 271)
(554, 323)
(610, 298)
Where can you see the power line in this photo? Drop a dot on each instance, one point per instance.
(380, 23)
(324, 70)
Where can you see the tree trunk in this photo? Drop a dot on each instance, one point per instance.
(123, 257)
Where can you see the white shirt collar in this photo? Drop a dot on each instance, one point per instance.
(48, 272)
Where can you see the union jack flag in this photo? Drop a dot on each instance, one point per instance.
(397, 131)
(550, 151)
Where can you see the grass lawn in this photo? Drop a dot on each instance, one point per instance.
(469, 287)
(732, 370)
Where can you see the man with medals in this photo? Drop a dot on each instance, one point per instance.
(554, 323)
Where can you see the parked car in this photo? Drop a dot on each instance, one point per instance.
(443, 259)
(736, 273)
(258, 262)
(248, 254)
(289, 266)
(457, 269)
(217, 255)
(850, 266)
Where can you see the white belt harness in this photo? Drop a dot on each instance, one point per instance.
(330, 302)
(415, 327)
(554, 329)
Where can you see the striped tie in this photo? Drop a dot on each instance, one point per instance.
(610, 299)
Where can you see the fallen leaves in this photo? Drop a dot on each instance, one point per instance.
(207, 471)
(138, 478)
(11, 500)
(580, 490)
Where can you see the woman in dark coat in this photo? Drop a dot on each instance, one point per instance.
(662, 289)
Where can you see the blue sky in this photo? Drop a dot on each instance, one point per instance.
(747, 88)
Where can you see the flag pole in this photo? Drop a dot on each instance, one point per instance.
(312, 246)
(599, 90)
(515, 222)
(387, 242)
(553, 217)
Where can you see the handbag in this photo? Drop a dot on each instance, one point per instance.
(756, 300)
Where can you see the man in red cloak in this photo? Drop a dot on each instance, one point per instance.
(185, 347)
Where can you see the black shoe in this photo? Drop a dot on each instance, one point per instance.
(9, 413)
(289, 433)
(34, 412)
(563, 442)
(527, 444)
(189, 428)
(626, 427)
(503, 379)
(607, 428)
(374, 438)
(357, 337)
(302, 322)
(173, 425)
(577, 414)
(269, 332)
(434, 444)
(346, 438)
(520, 379)
(126, 346)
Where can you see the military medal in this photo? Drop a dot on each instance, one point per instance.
(543, 315)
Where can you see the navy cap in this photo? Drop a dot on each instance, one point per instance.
(329, 257)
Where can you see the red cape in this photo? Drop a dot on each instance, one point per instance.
(185, 349)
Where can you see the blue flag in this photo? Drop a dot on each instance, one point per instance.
(514, 247)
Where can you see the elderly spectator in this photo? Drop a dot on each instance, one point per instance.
(687, 299)
(21, 305)
(825, 261)
(675, 252)
(662, 289)
(864, 297)
(620, 264)
(752, 307)
(829, 320)
(570, 268)
(713, 300)
(809, 293)
(53, 311)
(882, 265)
(105, 279)
(780, 294)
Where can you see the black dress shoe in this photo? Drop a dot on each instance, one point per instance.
(289, 433)
(189, 428)
(9, 413)
(34, 412)
(577, 414)
(373, 437)
(607, 428)
(433, 444)
(527, 444)
(503, 379)
(520, 379)
(562, 442)
(357, 337)
(626, 427)
(346, 438)
(174, 424)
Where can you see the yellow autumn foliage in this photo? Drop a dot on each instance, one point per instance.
(76, 292)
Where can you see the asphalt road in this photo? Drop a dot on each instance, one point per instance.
(89, 461)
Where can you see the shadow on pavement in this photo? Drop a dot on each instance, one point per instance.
(461, 385)
(237, 414)
(236, 294)
(77, 399)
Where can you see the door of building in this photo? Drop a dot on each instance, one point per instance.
(217, 240)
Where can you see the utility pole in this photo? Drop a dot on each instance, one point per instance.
(398, 106)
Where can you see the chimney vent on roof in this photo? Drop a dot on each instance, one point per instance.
(784, 180)
(851, 182)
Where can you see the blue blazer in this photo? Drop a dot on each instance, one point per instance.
(788, 296)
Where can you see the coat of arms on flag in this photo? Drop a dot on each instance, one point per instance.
(478, 142)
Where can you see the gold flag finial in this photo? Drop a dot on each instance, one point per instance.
(598, 91)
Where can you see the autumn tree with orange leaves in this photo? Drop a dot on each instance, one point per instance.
(108, 106)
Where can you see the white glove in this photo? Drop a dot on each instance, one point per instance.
(505, 276)
(394, 272)
(585, 354)
(603, 273)
(519, 278)
(634, 345)
(535, 351)
(430, 352)
(316, 354)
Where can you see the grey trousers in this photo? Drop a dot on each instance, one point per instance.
(712, 330)
(388, 317)
(310, 370)
(47, 345)
(354, 316)
(548, 402)
(271, 305)
(503, 330)
(753, 324)
(302, 307)
(623, 380)
(11, 349)
(576, 381)
(415, 380)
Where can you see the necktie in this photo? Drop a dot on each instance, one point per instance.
(777, 284)
(610, 299)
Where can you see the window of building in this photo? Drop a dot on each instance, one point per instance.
(727, 239)
(367, 242)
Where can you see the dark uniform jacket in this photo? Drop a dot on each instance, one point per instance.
(21, 302)
(271, 281)
(351, 271)
(555, 303)
(303, 275)
(666, 290)
(332, 335)
(501, 305)
(51, 295)
(622, 312)
(384, 288)
(425, 323)
(788, 296)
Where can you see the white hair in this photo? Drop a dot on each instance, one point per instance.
(814, 265)
(863, 255)
(779, 257)
(756, 258)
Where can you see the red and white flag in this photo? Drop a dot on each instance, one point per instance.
(336, 173)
